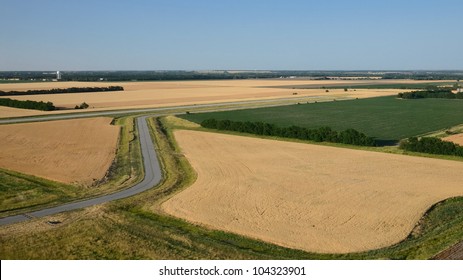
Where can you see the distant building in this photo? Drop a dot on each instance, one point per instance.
(58, 75)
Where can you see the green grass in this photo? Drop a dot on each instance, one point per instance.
(20, 191)
(126, 169)
(385, 118)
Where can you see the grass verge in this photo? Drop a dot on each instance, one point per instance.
(21, 193)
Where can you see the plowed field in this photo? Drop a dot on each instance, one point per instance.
(309, 197)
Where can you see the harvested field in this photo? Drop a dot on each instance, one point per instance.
(159, 94)
(76, 151)
(309, 197)
(132, 86)
(9, 112)
(457, 139)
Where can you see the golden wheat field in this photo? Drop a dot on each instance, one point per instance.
(78, 151)
(9, 112)
(309, 197)
(162, 94)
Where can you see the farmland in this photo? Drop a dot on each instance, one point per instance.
(23, 193)
(135, 229)
(71, 151)
(138, 227)
(309, 197)
(162, 94)
(385, 118)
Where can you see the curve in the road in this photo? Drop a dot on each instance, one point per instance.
(153, 173)
(153, 176)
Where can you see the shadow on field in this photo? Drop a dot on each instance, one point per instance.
(384, 143)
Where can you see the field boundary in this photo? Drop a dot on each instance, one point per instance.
(387, 252)
(125, 171)
(133, 228)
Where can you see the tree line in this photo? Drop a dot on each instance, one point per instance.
(431, 145)
(431, 93)
(61, 90)
(200, 75)
(322, 134)
(28, 104)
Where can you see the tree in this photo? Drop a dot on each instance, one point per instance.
(28, 104)
(321, 134)
(83, 105)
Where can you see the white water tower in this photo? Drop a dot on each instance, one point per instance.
(58, 75)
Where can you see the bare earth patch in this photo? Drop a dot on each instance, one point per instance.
(457, 139)
(70, 151)
(309, 197)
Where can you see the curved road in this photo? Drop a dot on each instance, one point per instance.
(153, 176)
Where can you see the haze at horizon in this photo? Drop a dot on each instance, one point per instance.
(247, 35)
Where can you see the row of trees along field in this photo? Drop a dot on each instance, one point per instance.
(323, 134)
(431, 145)
(61, 90)
(431, 93)
(28, 104)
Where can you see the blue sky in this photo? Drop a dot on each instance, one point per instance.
(234, 34)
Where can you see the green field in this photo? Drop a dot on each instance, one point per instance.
(373, 85)
(386, 118)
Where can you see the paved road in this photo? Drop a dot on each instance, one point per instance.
(153, 172)
(153, 176)
(183, 108)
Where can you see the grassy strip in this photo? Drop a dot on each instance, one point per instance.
(23, 193)
(20, 192)
(126, 169)
(136, 228)
(445, 132)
